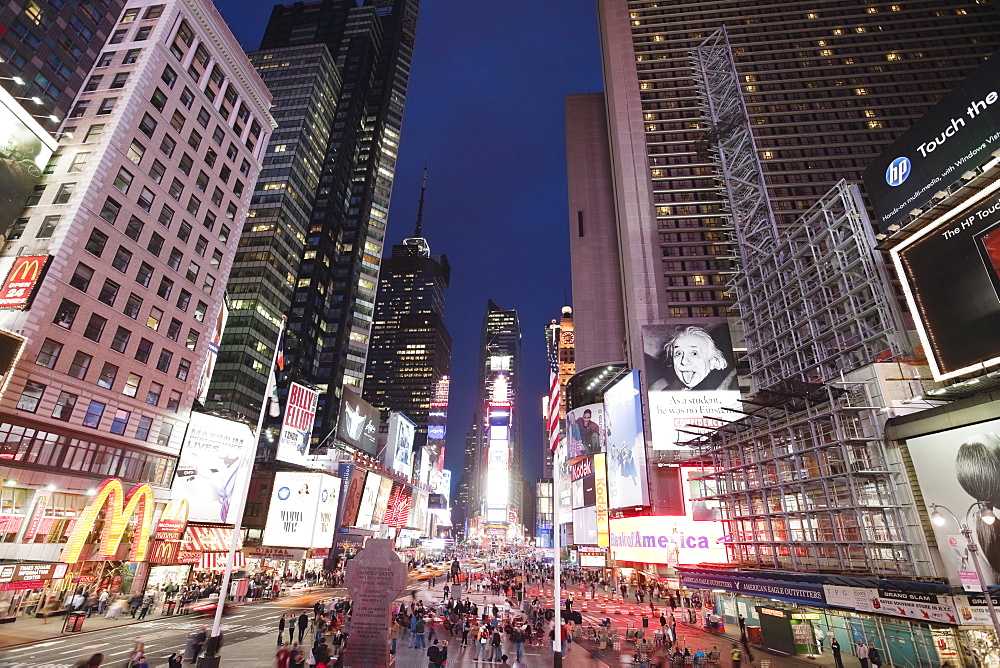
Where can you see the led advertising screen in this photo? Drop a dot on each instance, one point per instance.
(418, 510)
(498, 460)
(691, 376)
(398, 512)
(352, 498)
(368, 499)
(957, 135)
(25, 149)
(302, 510)
(627, 484)
(358, 422)
(382, 502)
(667, 540)
(585, 428)
(956, 468)
(399, 446)
(297, 425)
(213, 465)
(601, 496)
(213, 351)
(950, 273)
(585, 526)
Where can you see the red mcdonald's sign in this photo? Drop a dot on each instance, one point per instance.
(22, 279)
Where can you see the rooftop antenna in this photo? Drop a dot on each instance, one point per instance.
(420, 209)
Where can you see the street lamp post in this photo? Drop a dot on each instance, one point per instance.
(985, 513)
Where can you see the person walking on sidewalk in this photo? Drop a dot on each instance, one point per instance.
(102, 601)
(281, 630)
(147, 603)
(862, 651)
(303, 623)
(736, 656)
(835, 648)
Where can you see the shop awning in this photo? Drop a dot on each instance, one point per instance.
(216, 561)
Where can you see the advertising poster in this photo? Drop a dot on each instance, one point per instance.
(213, 351)
(585, 426)
(691, 376)
(352, 499)
(25, 149)
(291, 516)
(358, 422)
(627, 484)
(398, 512)
(585, 526)
(382, 502)
(399, 447)
(213, 465)
(326, 513)
(368, 498)
(957, 468)
(601, 493)
(668, 540)
(418, 512)
(950, 274)
(297, 425)
(22, 281)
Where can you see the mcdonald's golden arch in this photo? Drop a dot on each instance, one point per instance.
(117, 513)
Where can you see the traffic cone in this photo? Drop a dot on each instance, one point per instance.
(631, 610)
(583, 605)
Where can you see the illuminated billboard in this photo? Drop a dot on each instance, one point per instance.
(957, 468)
(368, 499)
(213, 465)
(352, 497)
(118, 514)
(691, 376)
(498, 461)
(627, 484)
(297, 425)
(955, 136)
(397, 514)
(302, 509)
(950, 272)
(382, 502)
(585, 428)
(358, 422)
(25, 149)
(22, 281)
(418, 510)
(601, 497)
(667, 540)
(213, 351)
(399, 447)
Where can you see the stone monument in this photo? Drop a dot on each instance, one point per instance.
(374, 578)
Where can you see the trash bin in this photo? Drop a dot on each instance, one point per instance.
(191, 648)
(74, 622)
(645, 622)
(168, 608)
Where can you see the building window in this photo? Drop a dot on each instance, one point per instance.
(142, 34)
(132, 306)
(66, 313)
(184, 232)
(64, 193)
(94, 413)
(147, 125)
(108, 374)
(134, 228)
(200, 310)
(107, 106)
(163, 362)
(120, 421)
(109, 292)
(174, 401)
(48, 354)
(131, 56)
(192, 339)
(95, 327)
(119, 81)
(184, 300)
(110, 210)
(183, 368)
(81, 364)
(155, 244)
(79, 162)
(163, 438)
(154, 318)
(122, 259)
(143, 351)
(120, 342)
(166, 286)
(118, 36)
(94, 133)
(169, 77)
(157, 171)
(166, 217)
(63, 409)
(153, 394)
(47, 227)
(175, 258)
(132, 385)
(143, 427)
(209, 285)
(81, 277)
(31, 396)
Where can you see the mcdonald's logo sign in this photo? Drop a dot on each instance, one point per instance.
(22, 279)
(118, 510)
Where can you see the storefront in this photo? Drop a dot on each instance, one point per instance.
(912, 624)
(207, 549)
(283, 562)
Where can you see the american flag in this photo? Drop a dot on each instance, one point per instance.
(555, 398)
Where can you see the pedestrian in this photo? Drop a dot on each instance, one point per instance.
(835, 648)
(861, 649)
(175, 660)
(281, 630)
(743, 625)
(434, 655)
(736, 656)
(199, 640)
(102, 601)
(147, 603)
(296, 659)
(95, 661)
(303, 623)
(874, 657)
(282, 656)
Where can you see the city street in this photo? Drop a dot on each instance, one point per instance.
(249, 635)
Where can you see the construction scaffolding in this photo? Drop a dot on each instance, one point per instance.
(802, 477)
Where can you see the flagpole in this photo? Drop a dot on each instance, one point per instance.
(211, 658)
(557, 571)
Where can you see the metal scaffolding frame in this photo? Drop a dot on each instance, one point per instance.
(803, 477)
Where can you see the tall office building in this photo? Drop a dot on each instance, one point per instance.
(305, 84)
(121, 259)
(329, 326)
(48, 47)
(410, 350)
(498, 458)
(828, 85)
(464, 507)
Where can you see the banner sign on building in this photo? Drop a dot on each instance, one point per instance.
(118, 513)
(665, 539)
(627, 484)
(302, 509)
(585, 431)
(358, 422)
(601, 498)
(368, 499)
(796, 592)
(213, 466)
(950, 272)
(691, 376)
(22, 281)
(957, 135)
(297, 425)
(399, 446)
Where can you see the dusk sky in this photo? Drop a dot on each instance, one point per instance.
(485, 109)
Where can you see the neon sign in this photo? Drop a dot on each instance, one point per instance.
(120, 509)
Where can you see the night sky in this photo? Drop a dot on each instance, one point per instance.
(485, 109)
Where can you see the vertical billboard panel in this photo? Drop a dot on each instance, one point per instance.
(213, 351)
(418, 510)
(399, 447)
(212, 468)
(382, 502)
(957, 468)
(585, 427)
(352, 499)
(291, 516)
(498, 461)
(25, 149)
(950, 273)
(297, 425)
(368, 498)
(627, 484)
(691, 376)
(326, 512)
(601, 492)
(358, 422)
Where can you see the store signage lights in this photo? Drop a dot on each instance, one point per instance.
(120, 509)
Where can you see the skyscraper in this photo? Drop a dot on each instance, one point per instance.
(410, 350)
(330, 322)
(305, 83)
(841, 82)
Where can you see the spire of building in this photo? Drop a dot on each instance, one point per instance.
(418, 231)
